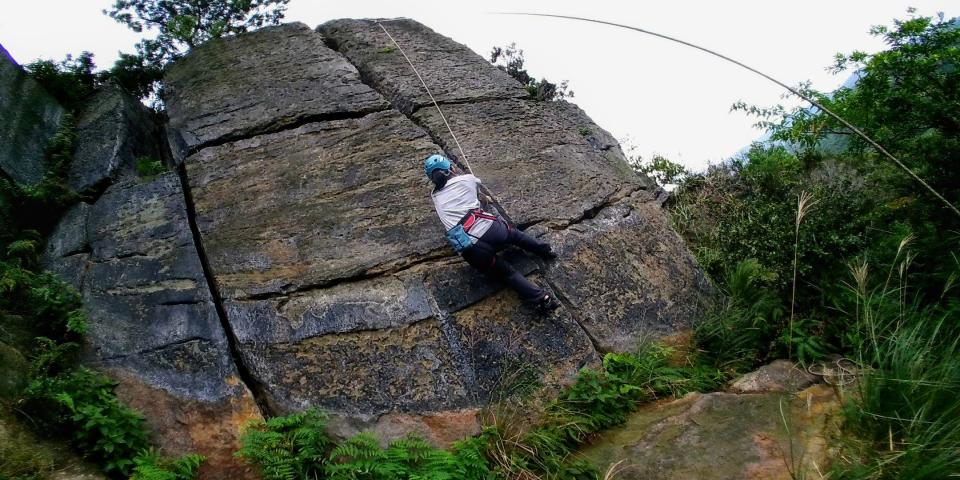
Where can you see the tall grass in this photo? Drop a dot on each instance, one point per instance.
(805, 202)
(905, 420)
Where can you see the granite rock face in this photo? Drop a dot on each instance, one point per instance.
(453, 72)
(30, 118)
(113, 130)
(313, 205)
(238, 86)
(627, 274)
(543, 160)
(720, 436)
(152, 322)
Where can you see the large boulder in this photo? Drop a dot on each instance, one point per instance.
(30, 117)
(295, 254)
(335, 276)
(238, 86)
(771, 436)
(113, 131)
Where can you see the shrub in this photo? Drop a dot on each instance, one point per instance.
(510, 60)
(149, 167)
(287, 448)
(904, 421)
(81, 406)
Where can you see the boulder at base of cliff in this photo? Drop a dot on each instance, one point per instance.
(721, 436)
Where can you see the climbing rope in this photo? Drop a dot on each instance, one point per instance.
(768, 77)
(490, 199)
(434, 100)
(841, 372)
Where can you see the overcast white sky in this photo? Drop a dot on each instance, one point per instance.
(664, 97)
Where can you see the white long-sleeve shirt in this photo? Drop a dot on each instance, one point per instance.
(455, 199)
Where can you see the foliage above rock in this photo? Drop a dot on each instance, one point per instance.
(185, 24)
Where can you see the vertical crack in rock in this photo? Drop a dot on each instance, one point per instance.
(256, 388)
(576, 318)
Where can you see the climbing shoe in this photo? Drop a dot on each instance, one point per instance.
(547, 253)
(547, 304)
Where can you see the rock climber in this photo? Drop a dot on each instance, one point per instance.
(478, 235)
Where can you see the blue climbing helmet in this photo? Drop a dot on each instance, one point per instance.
(435, 162)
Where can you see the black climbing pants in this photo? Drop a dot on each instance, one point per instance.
(483, 256)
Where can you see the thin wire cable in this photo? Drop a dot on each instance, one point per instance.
(434, 100)
(764, 75)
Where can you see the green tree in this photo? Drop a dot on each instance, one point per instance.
(185, 24)
(907, 98)
(70, 81)
(510, 59)
(661, 169)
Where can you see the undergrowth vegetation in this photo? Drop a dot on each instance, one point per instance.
(513, 444)
(793, 229)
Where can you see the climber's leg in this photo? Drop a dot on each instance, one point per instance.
(528, 243)
(483, 257)
(500, 236)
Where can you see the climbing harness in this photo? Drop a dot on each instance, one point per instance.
(768, 77)
(459, 236)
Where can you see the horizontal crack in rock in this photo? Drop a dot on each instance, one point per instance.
(392, 268)
(156, 349)
(281, 125)
(612, 200)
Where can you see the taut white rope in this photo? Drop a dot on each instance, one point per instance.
(434, 100)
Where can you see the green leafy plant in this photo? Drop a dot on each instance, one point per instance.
(287, 448)
(70, 81)
(149, 167)
(80, 405)
(150, 465)
(510, 60)
(183, 24)
(661, 169)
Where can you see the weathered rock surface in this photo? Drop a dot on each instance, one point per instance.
(113, 130)
(239, 86)
(152, 322)
(778, 376)
(30, 118)
(723, 436)
(70, 235)
(453, 72)
(316, 204)
(543, 160)
(627, 274)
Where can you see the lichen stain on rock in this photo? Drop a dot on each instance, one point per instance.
(500, 333)
(184, 426)
(406, 368)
